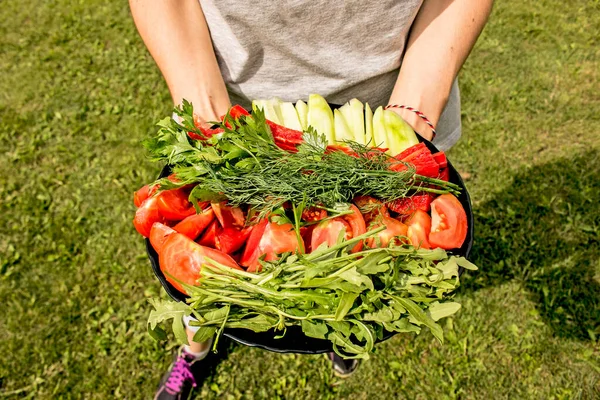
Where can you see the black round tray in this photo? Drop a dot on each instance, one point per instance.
(294, 340)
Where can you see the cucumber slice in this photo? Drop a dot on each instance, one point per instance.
(400, 135)
(276, 102)
(355, 118)
(368, 125)
(269, 110)
(290, 116)
(302, 110)
(342, 130)
(320, 117)
(379, 129)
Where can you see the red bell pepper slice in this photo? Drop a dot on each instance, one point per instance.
(285, 135)
(440, 158)
(445, 174)
(421, 158)
(409, 205)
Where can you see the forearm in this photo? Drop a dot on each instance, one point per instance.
(441, 38)
(177, 36)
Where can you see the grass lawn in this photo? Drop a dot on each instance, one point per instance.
(78, 92)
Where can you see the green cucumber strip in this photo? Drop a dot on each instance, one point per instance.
(302, 110)
(320, 117)
(269, 110)
(379, 129)
(290, 116)
(368, 125)
(400, 135)
(342, 130)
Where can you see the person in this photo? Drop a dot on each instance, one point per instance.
(403, 53)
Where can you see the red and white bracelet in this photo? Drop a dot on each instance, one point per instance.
(419, 113)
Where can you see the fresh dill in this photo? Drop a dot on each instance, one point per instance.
(244, 166)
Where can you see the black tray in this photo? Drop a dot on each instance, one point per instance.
(294, 340)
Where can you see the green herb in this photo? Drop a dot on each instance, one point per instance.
(244, 165)
(348, 299)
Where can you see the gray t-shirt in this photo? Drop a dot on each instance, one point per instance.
(341, 50)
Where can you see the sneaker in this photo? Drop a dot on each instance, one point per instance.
(342, 368)
(178, 382)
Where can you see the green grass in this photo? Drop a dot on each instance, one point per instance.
(78, 92)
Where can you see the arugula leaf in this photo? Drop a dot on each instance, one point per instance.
(356, 278)
(345, 304)
(439, 310)
(314, 329)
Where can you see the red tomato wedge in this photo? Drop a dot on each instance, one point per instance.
(357, 225)
(209, 237)
(181, 259)
(268, 239)
(313, 214)
(143, 193)
(448, 223)
(229, 216)
(370, 207)
(328, 232)
(394, 228)
(146, 216)
(174, 205)
(194, 225)
(419, 225)
(158, 235)
(230, 240)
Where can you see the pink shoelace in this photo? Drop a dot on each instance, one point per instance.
(181, 372)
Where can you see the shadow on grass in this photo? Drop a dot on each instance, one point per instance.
(543, 229)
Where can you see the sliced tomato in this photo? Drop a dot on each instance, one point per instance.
(158, 235)
(350, 225)
(194, 225)
(393, 230)
(419, 225)
(448, 223)
(230, 240)
(143, 193)
(146, 215)
(269, 239)
(209, 237)
(174, 205)
(229, 216)
(357, 225)
(370, 207)
(313, 214)
(181, 260)
(329, 231)
(409, 205)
